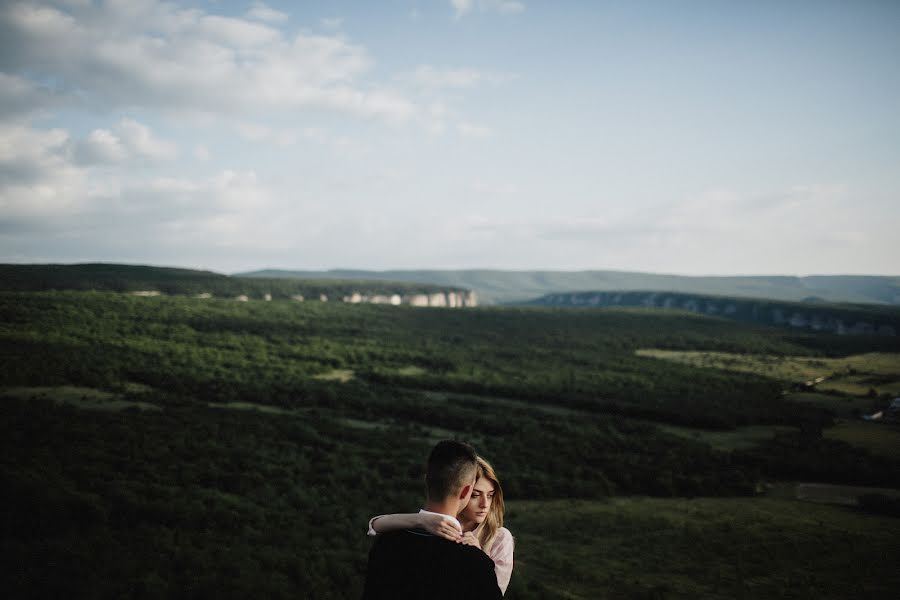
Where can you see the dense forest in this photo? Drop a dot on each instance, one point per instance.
(171, 447)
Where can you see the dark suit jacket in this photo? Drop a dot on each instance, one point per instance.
(414, 565)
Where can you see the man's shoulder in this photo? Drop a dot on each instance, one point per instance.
(404, 537)
(416, 540)
(473, 554)
(407, 540)
(468, 558)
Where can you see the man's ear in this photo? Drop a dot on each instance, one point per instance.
(464, 492)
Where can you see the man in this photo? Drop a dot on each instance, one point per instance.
(414, 565)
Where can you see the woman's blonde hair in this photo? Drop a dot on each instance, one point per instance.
(494, 520)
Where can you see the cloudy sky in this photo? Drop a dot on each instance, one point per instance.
(686, 137)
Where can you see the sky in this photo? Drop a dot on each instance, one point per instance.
(690, 137)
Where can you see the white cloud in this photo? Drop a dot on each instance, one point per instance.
(142, 143)
(794, 231)
(122, 55)
(263, 12)
(100, 146)
(36, 176)
(19, 96)
(721, 229)
(235, 33)
(128, 140)
(462, 6)
(25, 152)
(800, 208)
(433, 111)
(47, 187)
(504, 7)
(115, 191)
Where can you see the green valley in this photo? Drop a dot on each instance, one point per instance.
(174, 447)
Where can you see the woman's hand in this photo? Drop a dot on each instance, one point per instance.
(439, 526)
(469, 539)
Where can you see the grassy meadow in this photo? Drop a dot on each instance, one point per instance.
(858, 374)
(639, 547)
(847, 387)
(169, 447)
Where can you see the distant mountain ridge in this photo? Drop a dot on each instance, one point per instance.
(144, 280)
(841, 319)
(499, 286)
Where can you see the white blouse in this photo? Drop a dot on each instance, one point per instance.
(502, 554)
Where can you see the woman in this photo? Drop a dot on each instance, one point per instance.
(480, 523)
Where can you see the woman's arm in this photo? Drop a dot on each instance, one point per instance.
(502, 554)
(433, 523)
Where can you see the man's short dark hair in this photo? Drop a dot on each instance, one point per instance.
(451, 465)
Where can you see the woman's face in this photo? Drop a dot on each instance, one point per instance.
(480, 503)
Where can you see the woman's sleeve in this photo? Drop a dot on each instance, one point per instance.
(371, 530)
(428, 521)
(394, 522)
(502, 555)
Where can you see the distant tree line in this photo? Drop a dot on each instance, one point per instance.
(188, 282)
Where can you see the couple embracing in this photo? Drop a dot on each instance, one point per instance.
(456, 547)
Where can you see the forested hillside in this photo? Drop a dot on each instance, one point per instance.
(172, 281)
(166, 447)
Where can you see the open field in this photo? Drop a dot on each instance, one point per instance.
(840, 405)
(342, 375)
(878, 438)
(855, 374)
(826, 493)
(858, 372)
(264, 408)
(741, 438)
(847, 495)
(702, 548)
(844, 392)
(82, 397)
